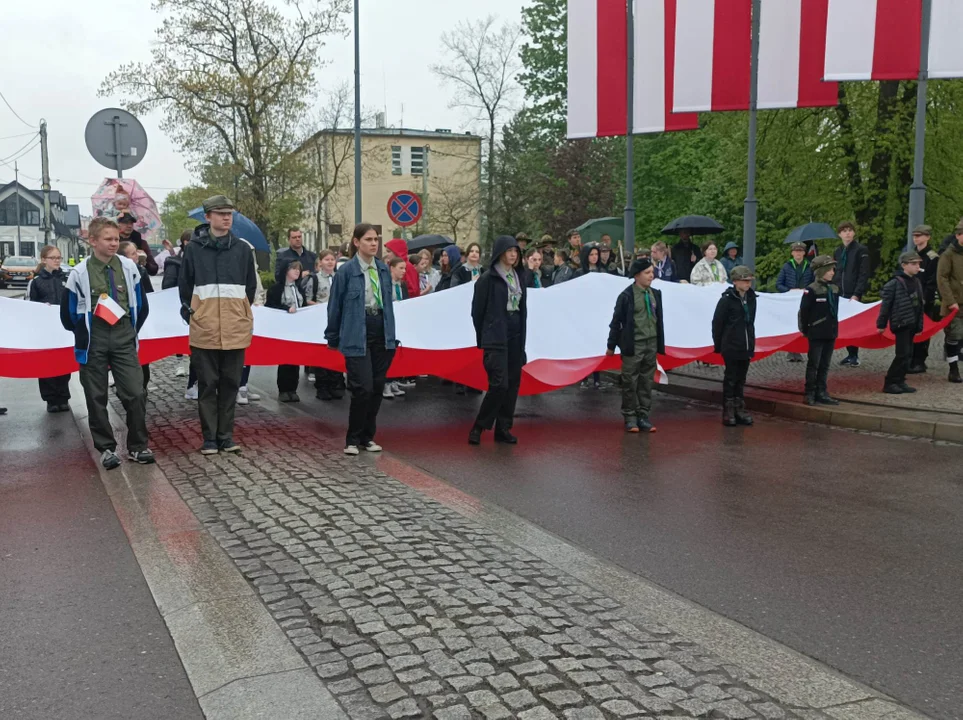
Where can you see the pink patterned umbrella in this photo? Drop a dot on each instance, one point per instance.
(115, 196)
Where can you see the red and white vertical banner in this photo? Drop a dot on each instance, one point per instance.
(598, 68)
(714, 48)
(946, 31)
(873, 39)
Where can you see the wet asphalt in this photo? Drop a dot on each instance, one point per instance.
(80, 635)
(846, 547)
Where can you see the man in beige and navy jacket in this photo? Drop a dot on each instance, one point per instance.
(217, 284)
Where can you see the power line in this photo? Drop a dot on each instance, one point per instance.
(12, 137)
(18, 152)
(15, 114)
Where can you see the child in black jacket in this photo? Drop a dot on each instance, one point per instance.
(819, 323)
(48, 287)
(287, 295)
(734, 337)
(902, 310)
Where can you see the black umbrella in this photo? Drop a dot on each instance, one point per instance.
(694, 225)
(811, 232)
(428, 241)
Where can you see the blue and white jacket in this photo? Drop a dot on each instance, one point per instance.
(77, 307)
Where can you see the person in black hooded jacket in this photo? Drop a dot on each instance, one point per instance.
(49, 287)
(734, 337)
(499, 313)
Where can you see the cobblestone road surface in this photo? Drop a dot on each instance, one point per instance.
(407, 609)
(862, 384)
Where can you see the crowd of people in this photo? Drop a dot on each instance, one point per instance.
(104, 302)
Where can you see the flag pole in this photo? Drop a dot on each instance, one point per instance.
(750, 208)
(629, 219)
(917, 194)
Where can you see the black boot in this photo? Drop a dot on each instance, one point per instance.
(955, 373)
(729, 413)
(823, 398)
(474, 436)
(505, 436)
(810, 397)
(742, 417)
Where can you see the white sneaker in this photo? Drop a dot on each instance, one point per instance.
(351, 450)
(406, 383)
(253, 397)
(373, 447)
(181, 370)
(110, 379)
(396, 389)
(191, 393)
(387, 393)
(242, 398)
(311, 378)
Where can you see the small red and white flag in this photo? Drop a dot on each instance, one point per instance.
(880, 39)
(598, 68)
(109, 310)
(713, 51)
(661, 376)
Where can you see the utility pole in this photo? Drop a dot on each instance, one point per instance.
(45, 186)
(424, 192)
(16, 177)
(629, 219)
(750, 209)
(917, 195)
(357, 115)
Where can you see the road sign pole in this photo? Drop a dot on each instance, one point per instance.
(917, 195)
(118, 148)
(750, 209)
(629, 220)
(357, 115)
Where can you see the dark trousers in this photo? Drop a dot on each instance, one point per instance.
(288, 378)
(504, 368)
(921, 353)
(904, 355)
(218, 378)
(817, 371)
(55, 390)
(327, 380)
(366, 383)
(245, 375)
(145, 369)
(734, 379)
(114, 348)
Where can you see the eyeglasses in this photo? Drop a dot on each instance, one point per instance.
(54, 257)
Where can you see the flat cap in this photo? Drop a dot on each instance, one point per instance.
(741, 272)
(798, 246)
(126, 217)
(910, 257)
(923, 230)
(218, 202)
(639, 265)
(823, 261)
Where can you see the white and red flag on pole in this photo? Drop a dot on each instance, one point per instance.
(109, 310)
(713, 53)
(880, 39)
(598, 68)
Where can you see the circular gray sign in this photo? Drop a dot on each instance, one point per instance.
(116, 139)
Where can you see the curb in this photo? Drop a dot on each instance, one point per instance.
(238, 660)
(924, 424)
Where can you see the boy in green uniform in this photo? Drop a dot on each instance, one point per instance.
(819, 323)
(638, 331)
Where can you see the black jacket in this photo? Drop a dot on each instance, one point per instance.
(489, 305)
(622, 327)
(288, 256)
(819, 311)
(461, 275)
(530, 278)
(734, 325)
(853, 274)
(172, 271)
(584, 267)
(48, 287)
(927, 276)
(682, 259)
(902, 306)
(563, 273)
(275, 297)
(145, 280)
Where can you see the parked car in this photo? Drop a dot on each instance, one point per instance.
(17, 270)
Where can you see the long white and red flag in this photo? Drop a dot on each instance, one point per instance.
(438, 338)
(598, 68)
(713, 49)
(880, 39)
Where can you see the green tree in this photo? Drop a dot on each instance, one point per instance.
(545, 74)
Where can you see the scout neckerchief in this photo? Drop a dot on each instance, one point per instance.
(375, 285)
(800, 271)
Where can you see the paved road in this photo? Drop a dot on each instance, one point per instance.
(12, 292)
(80, 636)
(843, 546)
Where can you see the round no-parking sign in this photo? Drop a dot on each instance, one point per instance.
(404, 208)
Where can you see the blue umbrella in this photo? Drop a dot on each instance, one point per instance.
(243, 227)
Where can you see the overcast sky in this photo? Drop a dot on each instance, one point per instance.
(55, 54)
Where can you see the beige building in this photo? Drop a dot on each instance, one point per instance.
(441, 166)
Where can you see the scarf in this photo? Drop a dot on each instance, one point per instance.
(800, 271)
(514, 287)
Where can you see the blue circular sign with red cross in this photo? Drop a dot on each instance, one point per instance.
(405, 208)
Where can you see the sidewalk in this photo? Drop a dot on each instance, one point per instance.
(409, 599)
(775, 386)
(80, 636)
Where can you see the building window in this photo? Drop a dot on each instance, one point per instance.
(28, 248)
(32, 218)
(417, 161)
(7, 248)
(396, 159)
